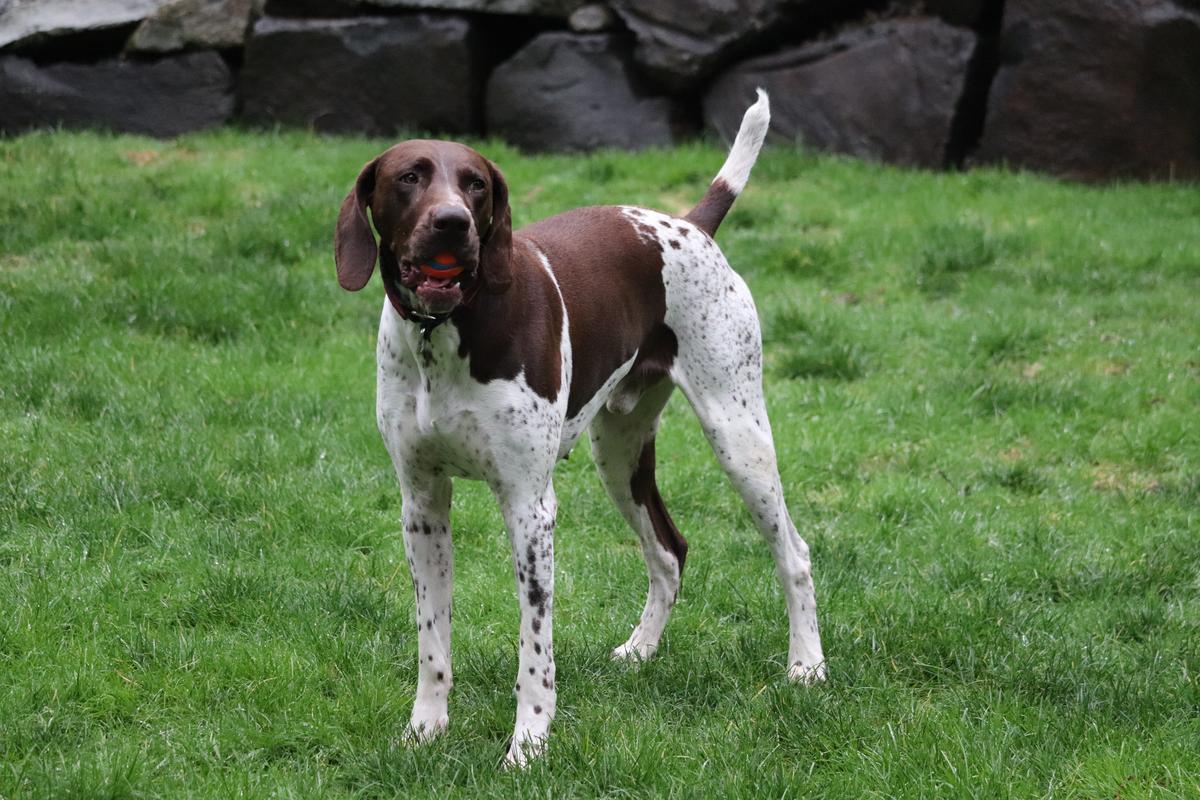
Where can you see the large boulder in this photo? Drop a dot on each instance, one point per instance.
(192, 24)
(376, 75)
(21, 20)
(560, 9)
(964, 13)
(681, 44)
(886, 91)
(565, 91)
(540, 8)
(160, 98)
(1097, 89)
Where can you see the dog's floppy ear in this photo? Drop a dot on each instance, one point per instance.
(495, 253)
(354, 248)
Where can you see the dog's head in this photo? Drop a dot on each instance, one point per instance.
(442, 214)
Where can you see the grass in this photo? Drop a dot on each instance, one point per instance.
(984, 390)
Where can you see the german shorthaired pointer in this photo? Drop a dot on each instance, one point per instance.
(498, 349)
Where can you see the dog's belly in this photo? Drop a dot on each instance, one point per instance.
(574, 427)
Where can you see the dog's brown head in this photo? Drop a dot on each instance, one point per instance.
(442, 214)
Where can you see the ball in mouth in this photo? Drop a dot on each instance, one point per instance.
(443, 266)
(439, 290)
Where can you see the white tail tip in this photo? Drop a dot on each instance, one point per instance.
(757, 119)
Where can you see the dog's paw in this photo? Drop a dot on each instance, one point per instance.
(423, 730)
(807, 673)
(523, 750)
(634, 651)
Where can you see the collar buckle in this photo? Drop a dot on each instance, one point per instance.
(427, 322)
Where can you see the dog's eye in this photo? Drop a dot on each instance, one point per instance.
(410, 177)
(477, 185)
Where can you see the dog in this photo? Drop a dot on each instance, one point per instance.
(497, 349)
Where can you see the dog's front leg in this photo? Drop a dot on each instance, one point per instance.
(427, 545)
(530, 521)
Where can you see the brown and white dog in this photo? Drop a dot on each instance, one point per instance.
(498, 349)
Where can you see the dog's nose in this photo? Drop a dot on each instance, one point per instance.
(451, 219)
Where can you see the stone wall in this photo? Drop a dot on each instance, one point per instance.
(1090, 89)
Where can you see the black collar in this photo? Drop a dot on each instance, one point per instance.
(426, 322)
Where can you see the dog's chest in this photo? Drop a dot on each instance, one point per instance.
(440, 419)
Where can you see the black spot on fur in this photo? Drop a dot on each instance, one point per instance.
(537, 596)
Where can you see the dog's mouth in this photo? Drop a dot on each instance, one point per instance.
(437, 279)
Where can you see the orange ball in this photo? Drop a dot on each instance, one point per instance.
(440, 272)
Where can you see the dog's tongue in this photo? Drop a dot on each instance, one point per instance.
(438, 281)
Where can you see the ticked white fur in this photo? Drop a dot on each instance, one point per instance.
(439, 423)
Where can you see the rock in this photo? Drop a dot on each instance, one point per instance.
(539, 8)
(974, 14)
(160, 98)
(374, 75)
(194, 24)
(1096, 89)
(963, 13)
(575, 92)
(681, 44)
(592, 18)
(22, 20)
(885, 91)
(309, 9)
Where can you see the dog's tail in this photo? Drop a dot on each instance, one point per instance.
(730, 181)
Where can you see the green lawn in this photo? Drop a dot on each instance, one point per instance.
(984, 387)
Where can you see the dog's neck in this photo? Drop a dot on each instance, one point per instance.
(403, 301)
(427, 339)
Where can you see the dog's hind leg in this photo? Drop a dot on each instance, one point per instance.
(623, 448)
(722, 379)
